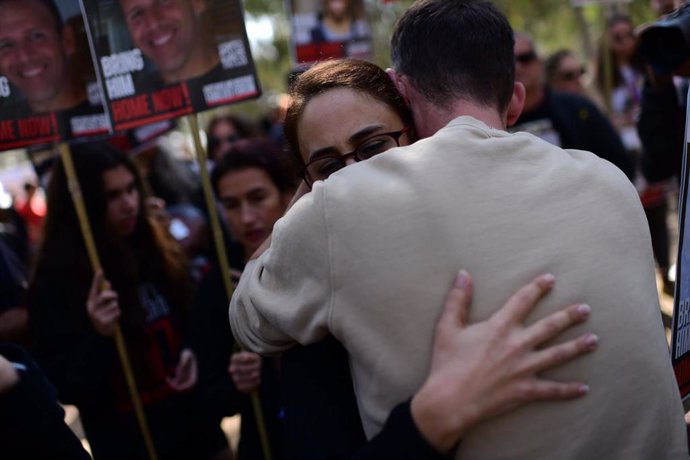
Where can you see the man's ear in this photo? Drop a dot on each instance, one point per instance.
(69, 40)
(517, 102)
(400, 82)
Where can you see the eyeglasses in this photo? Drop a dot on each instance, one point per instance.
(570, 75)
(214, 142)
(322, 167)
(526, 57)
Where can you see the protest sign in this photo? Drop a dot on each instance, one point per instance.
(323, 29)
(48, 87)
(680, 329)
(160, 60)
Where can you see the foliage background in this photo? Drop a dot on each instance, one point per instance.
(553, 23)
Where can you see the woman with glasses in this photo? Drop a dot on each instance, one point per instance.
(343, 112)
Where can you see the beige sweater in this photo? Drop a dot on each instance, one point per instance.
(369, 255)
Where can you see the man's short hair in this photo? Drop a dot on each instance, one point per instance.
(54, 12)
(456, 49)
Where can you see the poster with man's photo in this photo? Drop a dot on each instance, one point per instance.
(164, 59)
(680, 329)
(323, 29)
(48, 86)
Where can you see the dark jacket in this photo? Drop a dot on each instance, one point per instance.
(321, 416)
(660, 127)
(31, 420)
(86, 371)
(579, 125)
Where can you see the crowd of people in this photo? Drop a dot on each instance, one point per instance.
(486, 288)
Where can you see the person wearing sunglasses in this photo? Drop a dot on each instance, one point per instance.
(564, 72)
(564, 119)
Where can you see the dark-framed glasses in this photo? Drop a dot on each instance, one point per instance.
(322, 167)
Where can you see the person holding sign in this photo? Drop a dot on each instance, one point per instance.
(144, 286)
(34, 55)
(171, 34)
(253, 180)
(366, 255)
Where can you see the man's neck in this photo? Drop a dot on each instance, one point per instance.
(429, 118)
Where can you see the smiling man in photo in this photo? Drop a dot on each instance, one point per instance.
(35, 47)
(171, 34)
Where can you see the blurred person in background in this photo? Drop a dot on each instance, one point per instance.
(563, 119)
(664, 7)
(13, 283)
(224, 130)
(32, 208)
(340, 21)
(31, 420)
(144, 287)
(564, 72)
(624, 92)
(254, 182)
(13, 229)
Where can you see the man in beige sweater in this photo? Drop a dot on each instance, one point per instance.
(369, 250)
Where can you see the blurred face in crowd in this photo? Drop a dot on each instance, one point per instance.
(342, 121)
(33, 56)
(169, 33)
(337, 9)
(252, 204)
(622, 39)
(221, 139)
(529, 68)
(568, 76)
(122, 198)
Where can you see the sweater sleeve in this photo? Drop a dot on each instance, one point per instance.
(284, 297)
(400, 440)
